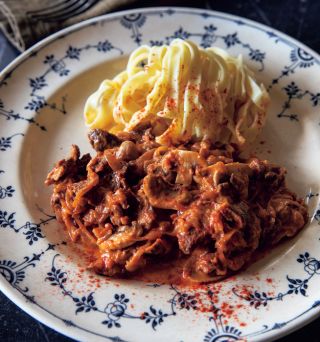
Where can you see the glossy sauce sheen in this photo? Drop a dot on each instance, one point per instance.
(182, 214)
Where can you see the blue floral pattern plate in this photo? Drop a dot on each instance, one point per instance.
(42, 94)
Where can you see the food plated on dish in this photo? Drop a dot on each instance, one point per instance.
(171, 185)
(46, 274)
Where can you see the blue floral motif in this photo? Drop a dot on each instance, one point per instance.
(311, 265)
(155, 317)
(7, 220)
(115, 310)
(231, 39)
(37, 101)
(133, 22)
(295, 285)
(32, 231)
(180, 34)
(225, 332)
(37, 83)
(56, 65)
(49, 59)
(133, 19)
(60, 68)
(222, 332)
(104, 46)
(257, 55)
(210, 36)
(86, 303)
(184, 300)
(136, 20)
(5, 142)
(292, 89)
(12, 115)
(73, 53)
(303, 58)
(118, 309)
(57, 278)
(14, 273)
(293, 92)
(6, 191)
(6, 267)
(210, 28)
(35, 104)
(299, 59)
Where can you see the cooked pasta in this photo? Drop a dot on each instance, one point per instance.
(169, 186)
(183, 92)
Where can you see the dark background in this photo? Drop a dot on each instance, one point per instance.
(298, 18)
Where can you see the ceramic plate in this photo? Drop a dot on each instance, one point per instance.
(42, 97)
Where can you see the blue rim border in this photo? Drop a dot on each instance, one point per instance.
(272, 33)
(5, 74)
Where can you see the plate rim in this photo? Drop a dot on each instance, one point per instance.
(47, 40)
(48, 318)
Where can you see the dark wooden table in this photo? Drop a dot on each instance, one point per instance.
(299, 19)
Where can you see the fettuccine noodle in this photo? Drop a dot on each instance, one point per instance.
(182, 92)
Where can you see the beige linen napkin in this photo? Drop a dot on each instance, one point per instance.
(24, 22)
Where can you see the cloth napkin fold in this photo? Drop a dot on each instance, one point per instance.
(24, 22)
